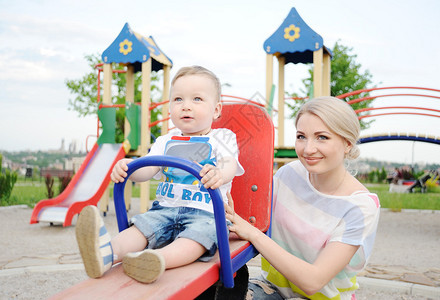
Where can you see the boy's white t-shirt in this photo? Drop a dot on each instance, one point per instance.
(179, 188)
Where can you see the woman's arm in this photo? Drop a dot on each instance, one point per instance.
(309, 277)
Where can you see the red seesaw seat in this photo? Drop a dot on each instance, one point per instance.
(252, 196)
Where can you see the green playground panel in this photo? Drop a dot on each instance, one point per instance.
(107, 116)
(133, 114)
(285, 152)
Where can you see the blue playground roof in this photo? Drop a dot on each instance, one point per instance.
(131, 47)
(294, 40)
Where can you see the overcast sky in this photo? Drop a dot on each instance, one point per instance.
(43, 43)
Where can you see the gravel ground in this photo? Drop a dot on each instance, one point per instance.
(38, 261)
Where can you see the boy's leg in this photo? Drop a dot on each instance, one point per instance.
(146, 266)
(180, 252)
(93, 242)
(128, 240)
(97, 251)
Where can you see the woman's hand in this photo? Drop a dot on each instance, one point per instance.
(243, 229)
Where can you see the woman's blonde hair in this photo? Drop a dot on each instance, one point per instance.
(198, 70)
(338, 116)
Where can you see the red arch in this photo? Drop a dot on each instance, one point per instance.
(385, 88)
(397, 113)
(388, 95)
(358, 111)
(395, 107)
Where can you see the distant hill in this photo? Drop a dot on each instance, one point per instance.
(391, 165)
(39, 159)
(45, 159)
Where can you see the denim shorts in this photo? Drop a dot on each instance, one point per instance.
(260, 289)
(161, 225)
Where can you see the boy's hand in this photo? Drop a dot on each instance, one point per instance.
(119, 172)
(211, 176)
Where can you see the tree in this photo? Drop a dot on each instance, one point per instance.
(86, 92)
(346, 76)
(382, 175)
(7, 182)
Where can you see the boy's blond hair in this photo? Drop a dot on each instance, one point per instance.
(198, 70)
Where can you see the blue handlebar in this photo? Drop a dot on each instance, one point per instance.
(226, 273)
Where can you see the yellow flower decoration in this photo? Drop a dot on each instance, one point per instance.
(288, 33)
(125, 47)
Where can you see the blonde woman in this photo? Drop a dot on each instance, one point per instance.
(324, 220)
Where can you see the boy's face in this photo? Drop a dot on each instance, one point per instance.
(193, 104)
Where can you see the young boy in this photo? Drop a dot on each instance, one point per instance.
(180, 226)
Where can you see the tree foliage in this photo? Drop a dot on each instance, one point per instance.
(85, 91)
(346, 76)
(7, 182)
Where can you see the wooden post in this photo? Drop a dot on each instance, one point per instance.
(269, 80)
(317, 73)
(107, 82)
(281, 63)
(145, 129)
(326, 75)
(166, 96)
(129, 97)
(106, 99)
(128, 193)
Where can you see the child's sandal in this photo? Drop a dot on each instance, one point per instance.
(94, 242)
(144, 266)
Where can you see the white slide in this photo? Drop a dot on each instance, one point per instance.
(86, 188)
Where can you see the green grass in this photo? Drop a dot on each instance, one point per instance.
(30, 192)
(136, 191)
(399, 201)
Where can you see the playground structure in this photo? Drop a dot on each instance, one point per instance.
(90, 184)
(295, 42)
(416, 137)
(292, 42)
(419, 110)
(401, 186)
(252, 192)
(86, 187)
(137, 53)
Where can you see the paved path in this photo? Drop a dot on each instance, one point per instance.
(38, 261)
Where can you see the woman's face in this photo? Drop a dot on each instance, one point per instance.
(319, 149)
